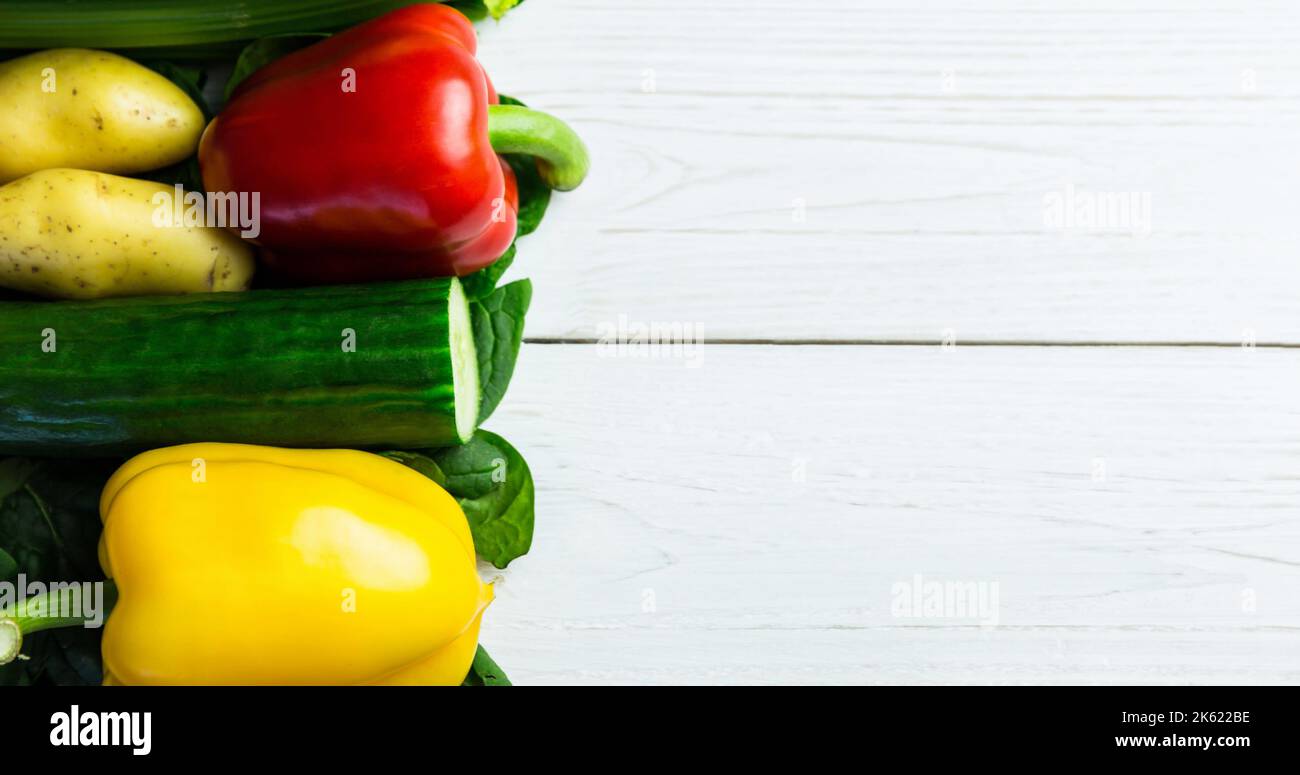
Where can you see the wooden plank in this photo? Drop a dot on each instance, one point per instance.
(746, 519)
(866, 170)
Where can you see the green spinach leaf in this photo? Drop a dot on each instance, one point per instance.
(421, 463)
(534, 195)
(494, 486)
(49, 529)
(186, 173)
(481, 283)
(50, 524)
(498, 8)
(30, 535)
(498, 321)
(8, 565)
(474, 10)
(264, 51)
(477, 10)
(485, 672)
(14, 473)
(73, 656)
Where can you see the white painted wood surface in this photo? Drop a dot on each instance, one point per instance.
(923, 139)
(746, 519)
(679, 489)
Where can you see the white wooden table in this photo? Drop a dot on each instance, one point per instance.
(915, 372)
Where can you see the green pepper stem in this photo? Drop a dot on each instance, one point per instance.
(561, 157)
(39, 612)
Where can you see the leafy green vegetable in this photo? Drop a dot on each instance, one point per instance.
(8, 565)
(73, 657)
(14, 472)
(477, 10)
(534, 195)
(498, 8)
(498, 332)
(492, 483)
(29, 534)
(18, 673)
(422, 464)
(49, 528)
(481, 283)
(474, 10)
(495, 488)
(264, 51)
(186, 173)
(485, 672)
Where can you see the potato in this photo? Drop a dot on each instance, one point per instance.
(74, 234)
(91, 110)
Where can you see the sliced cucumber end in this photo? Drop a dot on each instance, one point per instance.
(464, 362)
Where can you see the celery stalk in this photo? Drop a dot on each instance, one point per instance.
(200, 29)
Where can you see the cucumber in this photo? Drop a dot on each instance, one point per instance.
(271, 367)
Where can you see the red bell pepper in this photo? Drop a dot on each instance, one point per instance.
(398, 178)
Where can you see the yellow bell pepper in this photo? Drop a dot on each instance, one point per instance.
(239, 564)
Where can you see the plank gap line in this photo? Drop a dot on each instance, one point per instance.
(591, 340)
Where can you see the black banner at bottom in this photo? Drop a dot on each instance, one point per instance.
(209, 725)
